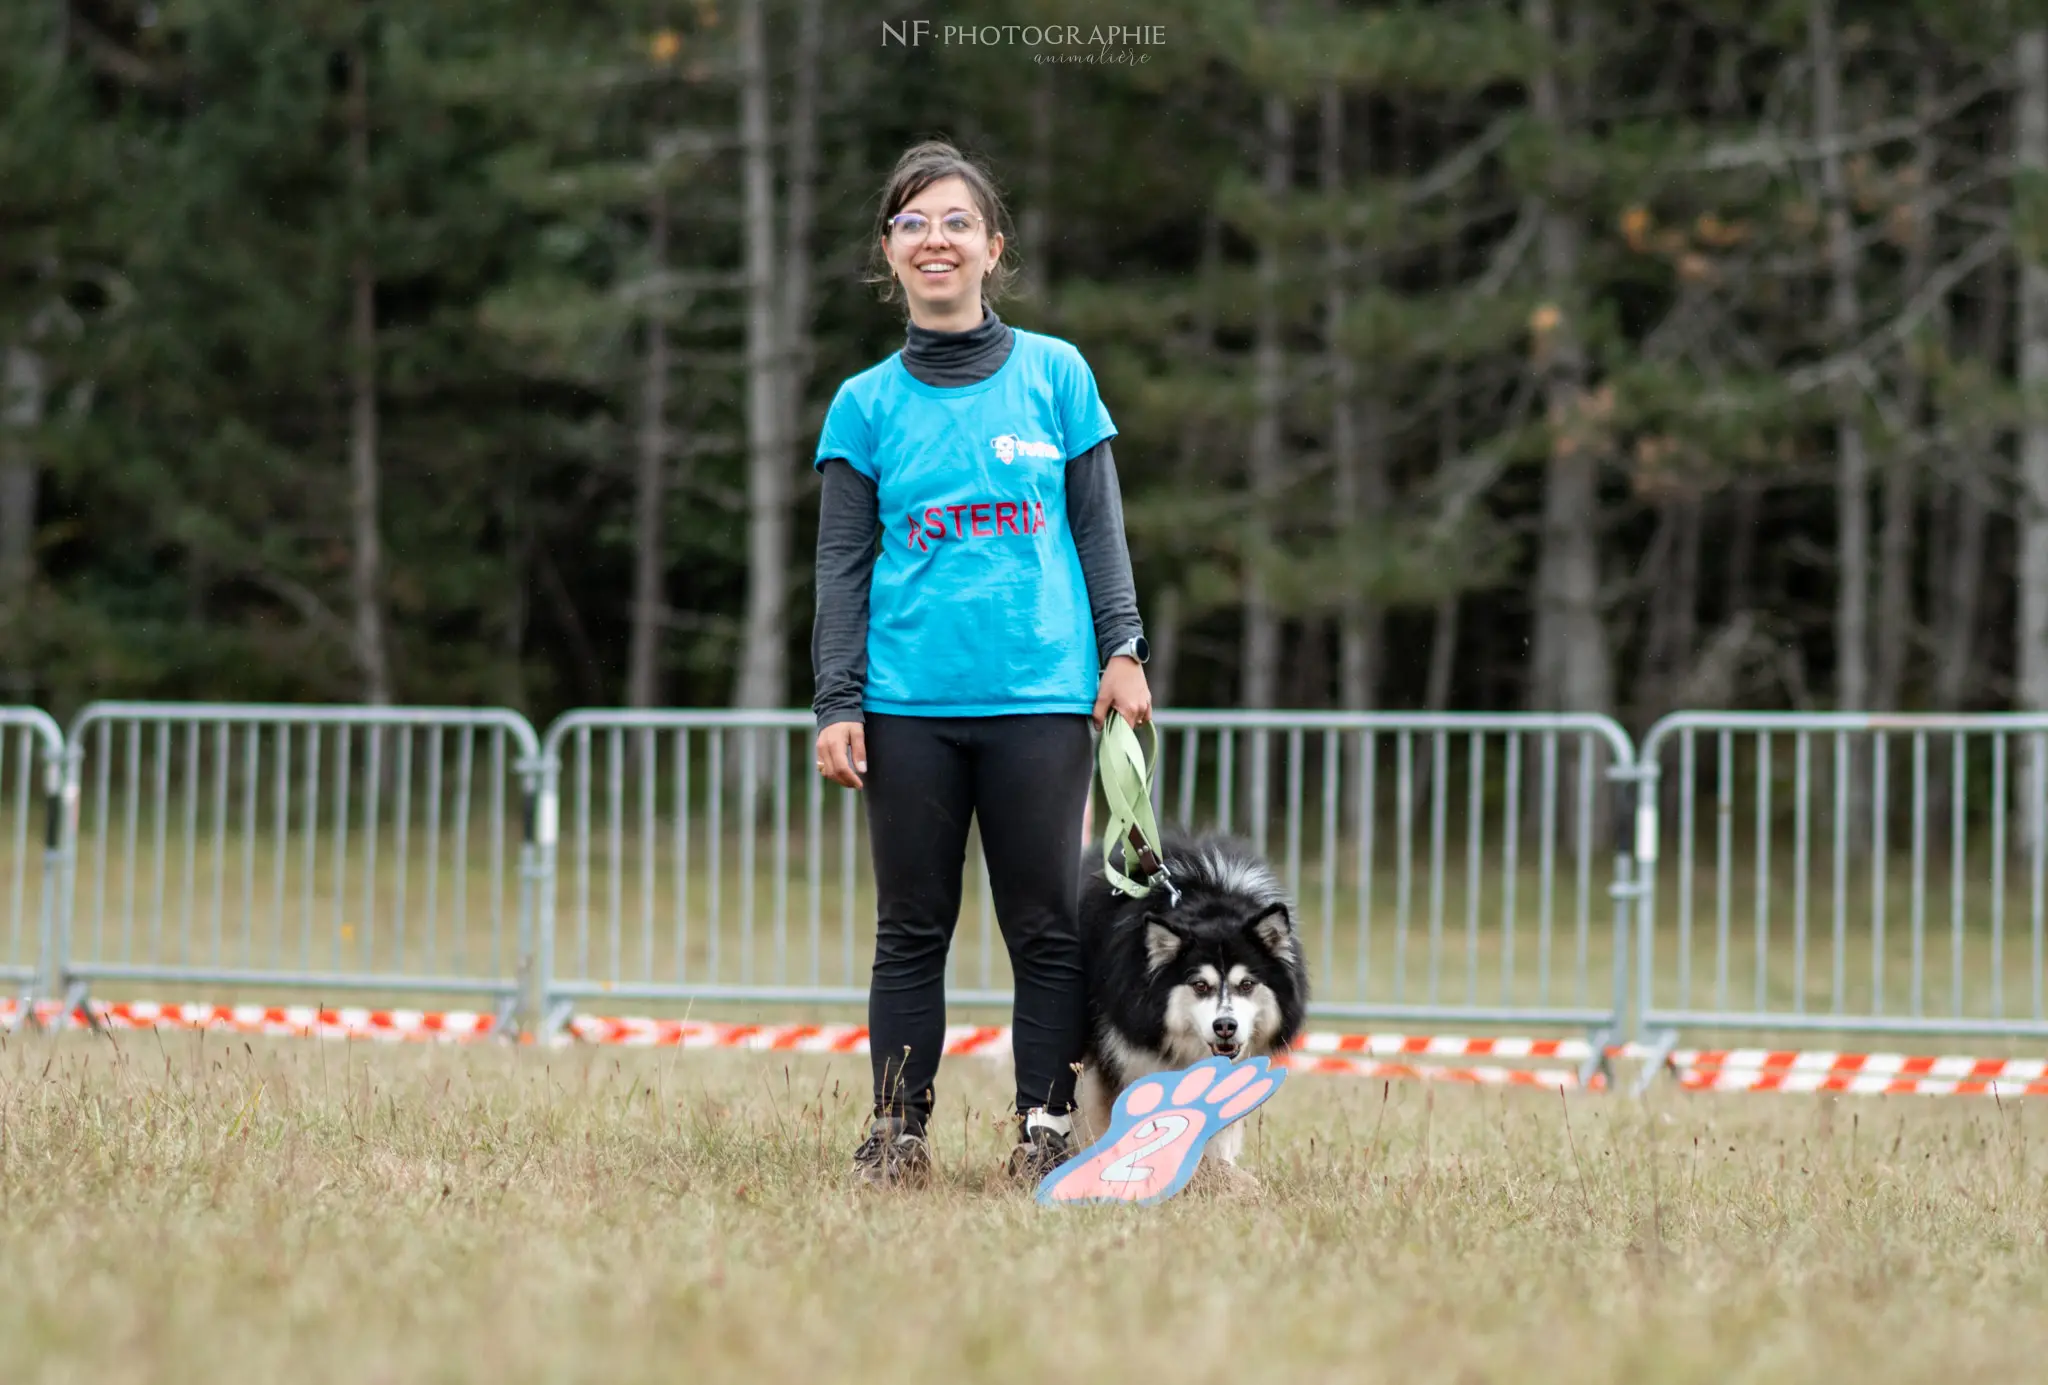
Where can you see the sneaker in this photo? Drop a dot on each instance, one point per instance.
(1044, 1142)
(893, 1155)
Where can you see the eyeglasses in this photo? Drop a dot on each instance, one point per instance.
(915, 226)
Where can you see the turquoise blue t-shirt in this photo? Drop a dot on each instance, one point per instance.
(978, 606)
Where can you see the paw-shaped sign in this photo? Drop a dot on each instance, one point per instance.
(1157, 1130)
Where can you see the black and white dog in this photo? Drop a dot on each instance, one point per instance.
(1211, 966)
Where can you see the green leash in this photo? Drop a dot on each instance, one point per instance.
(1127, 789)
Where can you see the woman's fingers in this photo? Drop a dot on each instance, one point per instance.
(1123, 687)
(843, 753)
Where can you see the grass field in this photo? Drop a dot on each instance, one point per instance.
(176, 1207)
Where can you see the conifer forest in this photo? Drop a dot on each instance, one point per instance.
(1607, 355)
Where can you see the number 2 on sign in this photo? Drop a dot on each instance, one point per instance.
(1166, 1127)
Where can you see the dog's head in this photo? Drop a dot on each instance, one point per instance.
(1230, 976)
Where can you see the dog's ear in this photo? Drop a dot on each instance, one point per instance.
(1162, 942)
(1274, 929)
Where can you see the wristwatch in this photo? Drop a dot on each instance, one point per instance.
(1134, 648)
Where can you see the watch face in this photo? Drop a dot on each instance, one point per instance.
(1143, 650)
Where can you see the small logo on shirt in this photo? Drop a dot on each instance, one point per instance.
(1009, 447)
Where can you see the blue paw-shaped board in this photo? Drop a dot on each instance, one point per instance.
(1157, 1131)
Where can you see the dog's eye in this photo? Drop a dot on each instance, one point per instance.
(1247, 986)
(1201, 987)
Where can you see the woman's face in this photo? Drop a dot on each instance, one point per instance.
(941, 266)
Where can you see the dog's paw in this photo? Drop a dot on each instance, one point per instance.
(1157, 1130)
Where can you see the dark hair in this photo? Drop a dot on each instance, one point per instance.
(920, 167)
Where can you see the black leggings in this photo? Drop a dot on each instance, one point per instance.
(1026, 779)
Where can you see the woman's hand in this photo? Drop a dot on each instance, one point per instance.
(1123, 687)
(843, 753)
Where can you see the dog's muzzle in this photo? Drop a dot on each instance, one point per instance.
(1223, 1038)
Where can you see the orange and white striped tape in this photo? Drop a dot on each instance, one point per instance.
(1346, 1054)
(1867, 1074)
(1754, 1080)
(767, 1038)
(275, 1021)
(1482, 1076)
(1446, 1046)
(1862, 1064)
(1356, 1055)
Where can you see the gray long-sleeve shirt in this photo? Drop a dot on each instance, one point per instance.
(849, 522)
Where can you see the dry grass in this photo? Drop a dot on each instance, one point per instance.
(176, 1207)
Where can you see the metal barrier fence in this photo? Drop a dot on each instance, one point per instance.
(1797, 873)
(337, 849)
(1444, 867)
(1849, 873)
(31, 782)
(671, 879)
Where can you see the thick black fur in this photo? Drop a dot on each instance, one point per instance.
(1231, 911)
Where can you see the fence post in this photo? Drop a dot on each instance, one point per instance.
(1649, 791)
(539, 778)
(49, 965)
(1624, 773)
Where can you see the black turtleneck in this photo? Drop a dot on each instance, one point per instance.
(947, 360)
(849, 519)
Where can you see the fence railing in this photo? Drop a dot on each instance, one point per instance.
(700, 857)
(338, 849)
(1796, 873)
(31, 784)
(1845, 873)
(1446, 869)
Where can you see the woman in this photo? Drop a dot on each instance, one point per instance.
(960, 660)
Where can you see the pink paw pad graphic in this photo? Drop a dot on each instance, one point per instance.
(1157, 1130)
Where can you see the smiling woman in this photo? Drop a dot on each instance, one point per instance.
(970, 648)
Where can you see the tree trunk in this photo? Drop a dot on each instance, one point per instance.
(1034, 228)
(516, 515)
(1573, 671)
(1742, 522)
(1668, 648)
(798, 271)
(1902, 468)
(1443, 650)
(643, 674)
(2031, 155)
(1163, 674)
(1962, 581)
(762, 655)
(26, 387)
(1844, 316)
(1359, 463)
(1261, 637)
(367, 575)
(1894, 581)
(1958, 672)
(1165, 642)
(1685, 591)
